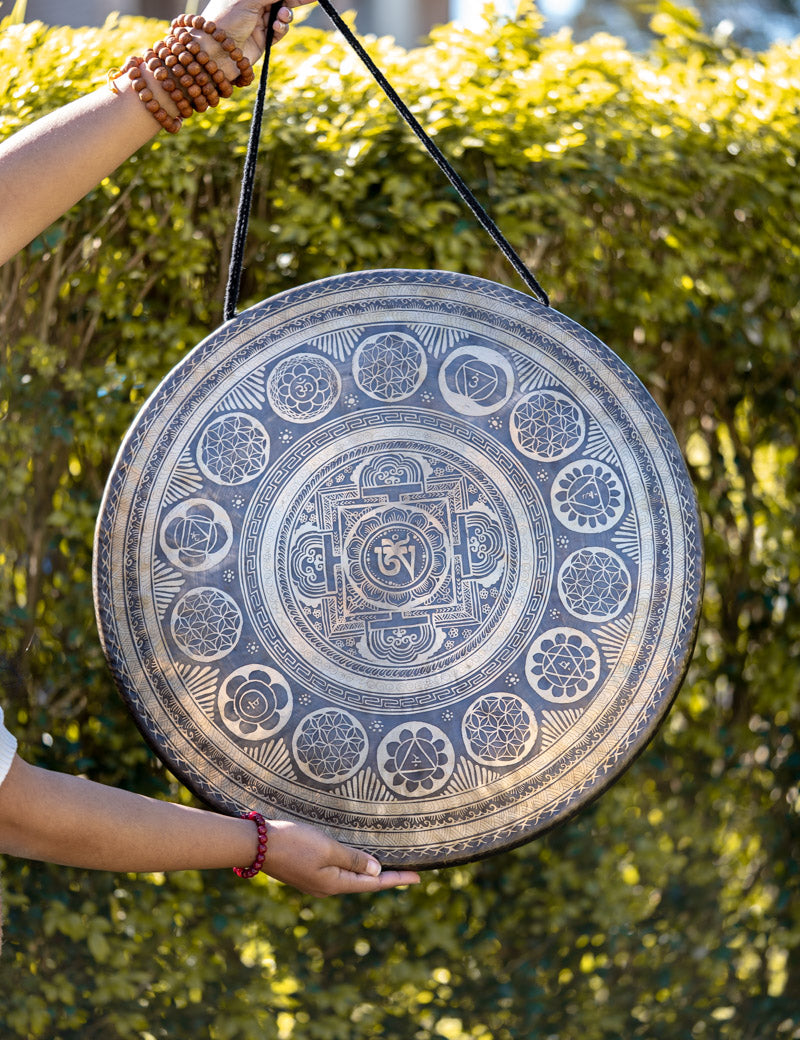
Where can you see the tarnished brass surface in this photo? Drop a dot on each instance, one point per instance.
(403, 554)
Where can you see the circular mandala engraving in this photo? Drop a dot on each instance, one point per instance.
(196, 535)
(330, 745)
(563, 665)
(206, 624)
(303, 387)
(255, 702)
(588, 496)
(233, 449)
(547, 426)
(416, 758)
(330, 581)
(476, 380)
(390, 366)
(499, 729)
(396, 556)
(399, 563)
(594, 584)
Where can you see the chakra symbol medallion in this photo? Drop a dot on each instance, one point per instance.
(255, 702)
(197, 534)
(416, 757)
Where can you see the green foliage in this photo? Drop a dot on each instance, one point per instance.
(657, 197)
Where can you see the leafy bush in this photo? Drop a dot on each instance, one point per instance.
(657, 197)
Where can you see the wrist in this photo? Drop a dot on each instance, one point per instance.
(135, 78)
(261, 849)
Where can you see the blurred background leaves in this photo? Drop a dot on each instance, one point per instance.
(656, 196)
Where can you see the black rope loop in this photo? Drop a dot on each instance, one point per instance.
(248, 177)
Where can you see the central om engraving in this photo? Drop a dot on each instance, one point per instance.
(394, 554)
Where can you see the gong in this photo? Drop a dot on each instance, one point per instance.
(403, 554)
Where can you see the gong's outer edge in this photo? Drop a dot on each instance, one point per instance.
(218, 801)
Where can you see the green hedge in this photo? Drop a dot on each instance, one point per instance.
(657, 196)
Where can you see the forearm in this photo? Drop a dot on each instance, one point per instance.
(74, 822)
(49, 166)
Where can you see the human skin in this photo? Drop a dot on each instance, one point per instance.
(71, 821)
(89, 138)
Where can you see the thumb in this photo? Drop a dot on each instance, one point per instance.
(358, 862)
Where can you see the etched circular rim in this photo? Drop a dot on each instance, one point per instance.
(500, 811)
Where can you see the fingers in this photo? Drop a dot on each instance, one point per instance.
(362, 873)
(283, 20)
(345, 882)
(357, 862)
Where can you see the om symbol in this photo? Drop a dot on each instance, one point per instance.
(393, 554)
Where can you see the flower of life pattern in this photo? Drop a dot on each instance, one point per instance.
(499, 729)
(197, 534)
(563, 665)
(303, 387)
(330, 745)
(547, 426)
(233, 449)
(416, 758)
(390, 366)
(588, 496)
(206, 624)
(594, 584)
(255, 702)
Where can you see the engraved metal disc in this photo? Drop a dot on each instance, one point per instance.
(403, 554)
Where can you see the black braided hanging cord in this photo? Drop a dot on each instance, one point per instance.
(248, 177)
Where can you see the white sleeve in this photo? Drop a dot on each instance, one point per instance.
(8, 748)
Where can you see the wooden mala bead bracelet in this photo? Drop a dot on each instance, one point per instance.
(188, 74)
(228, 44)
(132, 68)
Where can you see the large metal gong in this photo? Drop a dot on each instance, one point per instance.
(404, 554)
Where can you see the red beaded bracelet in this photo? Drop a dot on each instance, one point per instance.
(258, 862)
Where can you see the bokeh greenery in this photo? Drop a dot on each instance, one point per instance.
(657, 196)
